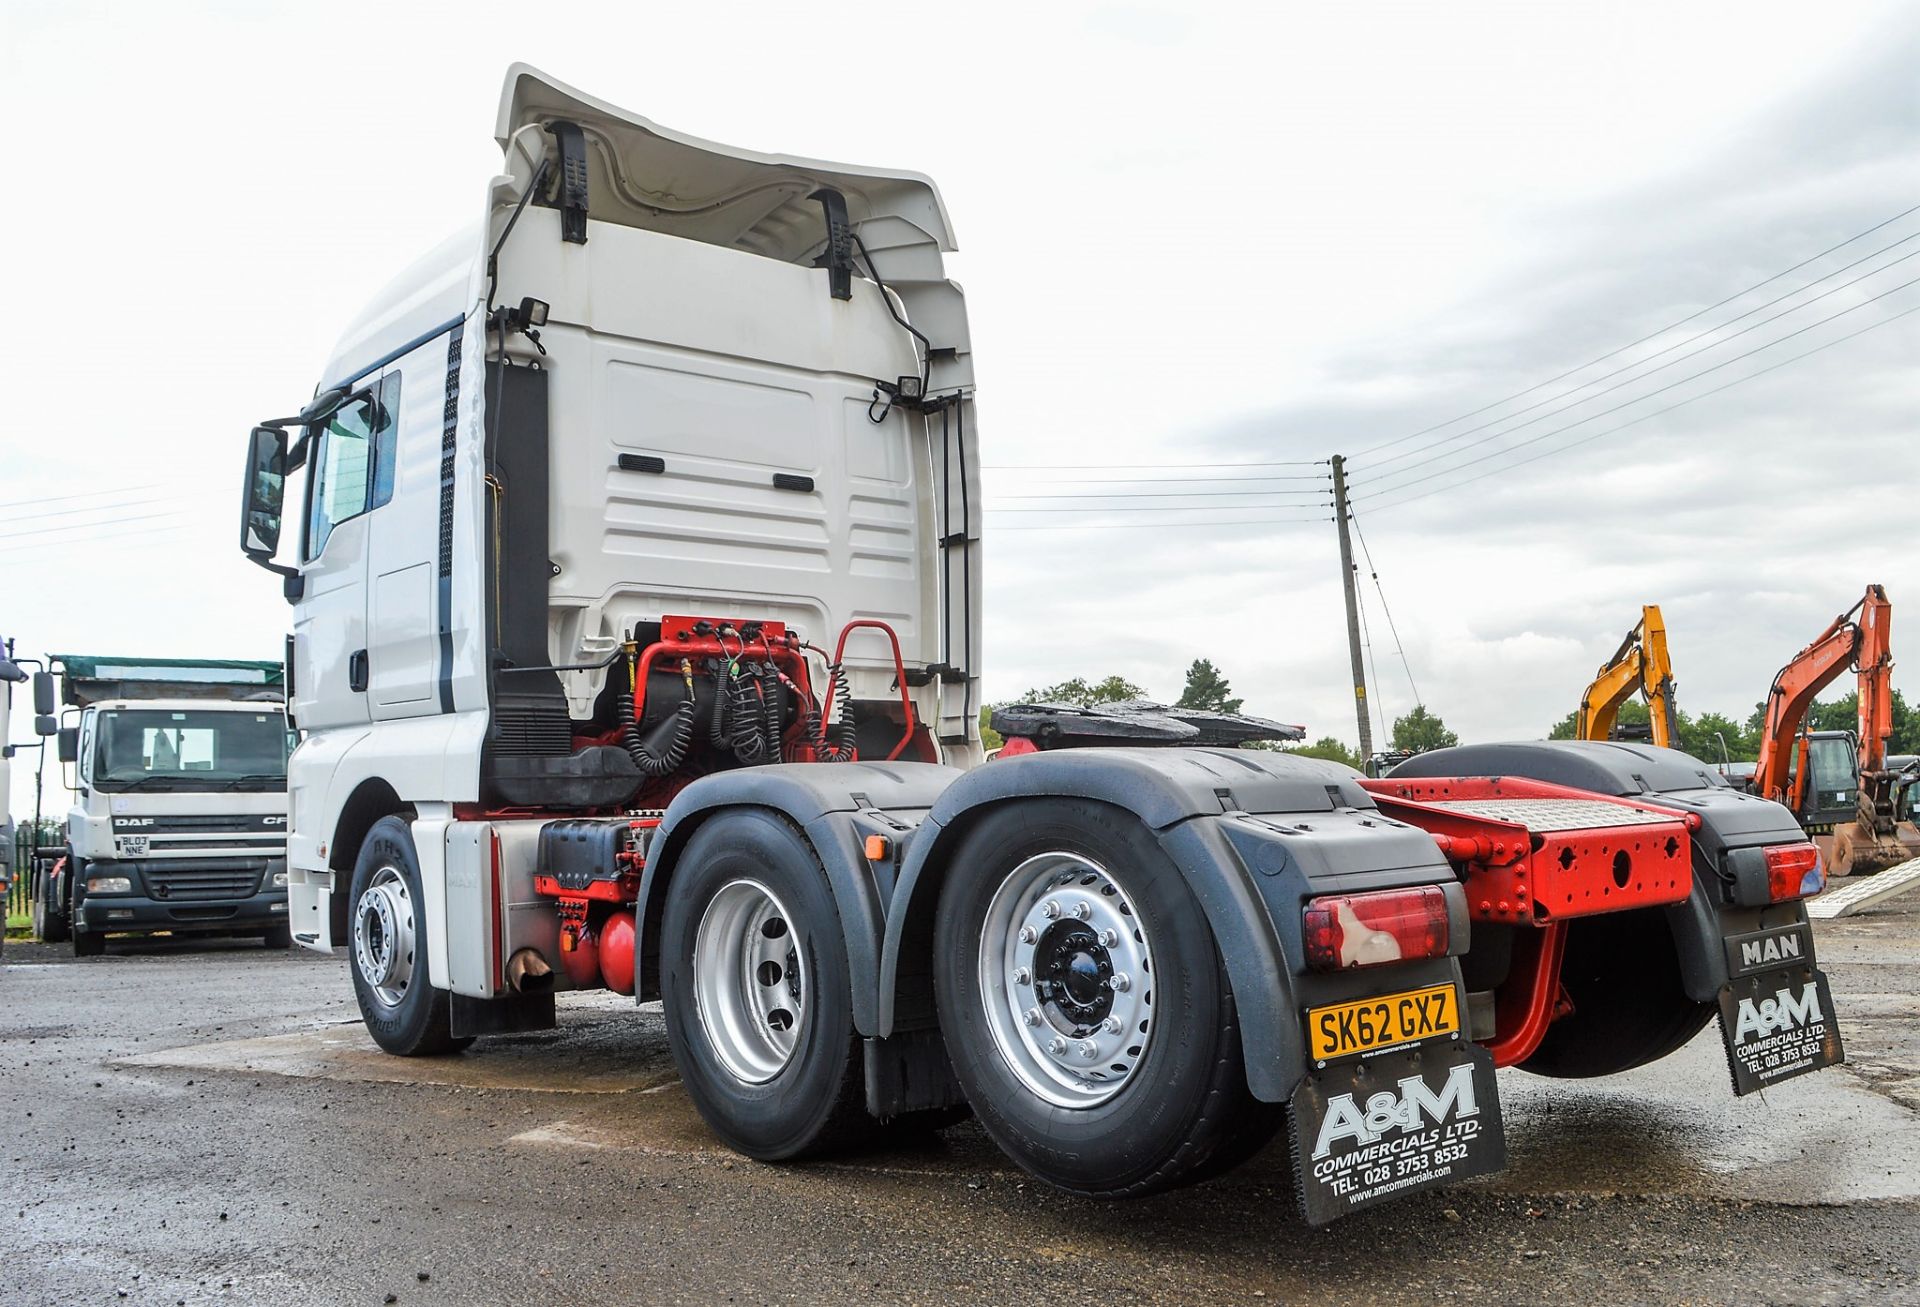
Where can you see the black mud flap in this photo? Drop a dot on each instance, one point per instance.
(1367, 1131)
(1778, 1025)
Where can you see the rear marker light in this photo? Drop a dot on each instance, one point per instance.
(1794, 871)
(1368, 930)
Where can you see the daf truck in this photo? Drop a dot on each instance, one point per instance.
(634, 560)
(178, 821)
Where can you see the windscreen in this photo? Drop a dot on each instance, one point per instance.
(1832, 761)
(186, 748)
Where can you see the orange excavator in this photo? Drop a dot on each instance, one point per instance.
(1639, 664)
(1837, 782)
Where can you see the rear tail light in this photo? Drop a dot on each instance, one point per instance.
(1367, 930)
(1794, 871)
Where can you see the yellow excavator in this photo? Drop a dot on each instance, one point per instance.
(1639, 665)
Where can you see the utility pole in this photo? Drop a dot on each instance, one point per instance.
(1353, 606)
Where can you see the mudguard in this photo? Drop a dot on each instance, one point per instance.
(1730, 819)
(1254, 833)
(835, 805)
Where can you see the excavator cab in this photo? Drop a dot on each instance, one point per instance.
(1825, 782)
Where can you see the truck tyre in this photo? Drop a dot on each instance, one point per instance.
(1623, 976)
(1063, 932)
(404, 1013)
(49, 926)
(278, 937)
(86, 943)
(756, 991)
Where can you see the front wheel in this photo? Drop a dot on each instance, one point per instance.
(404, 1013)
(1085, 1006)
(756, 991)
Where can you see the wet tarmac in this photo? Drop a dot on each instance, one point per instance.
(207, 1122)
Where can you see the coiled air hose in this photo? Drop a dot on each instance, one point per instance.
(648, 753)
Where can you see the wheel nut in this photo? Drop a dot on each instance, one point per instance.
(1023, 977)
(1083, 909)
(1089, 1050)
(1031, 1016)
(1108, 938)
(1028, 934)
(1111, 1025)
(1056, 1045)
(1050, 910)
(1120, 983)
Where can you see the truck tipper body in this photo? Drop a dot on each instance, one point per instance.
(634, 555)
(178, 818)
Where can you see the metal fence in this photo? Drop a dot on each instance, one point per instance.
(20, 892)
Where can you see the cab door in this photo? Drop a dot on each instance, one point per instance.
(351, 462)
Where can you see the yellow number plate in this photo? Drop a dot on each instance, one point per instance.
(1343, 1029)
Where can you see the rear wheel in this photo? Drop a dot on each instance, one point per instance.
(1065, 937)
(49, 921)
(404, 1013)
(756, 991)
(1623, 975)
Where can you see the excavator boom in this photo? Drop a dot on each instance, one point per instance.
(1640, 665)
(1861, 639)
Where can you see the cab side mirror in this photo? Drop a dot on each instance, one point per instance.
(263, 494)
(45, 700)
(69, 743)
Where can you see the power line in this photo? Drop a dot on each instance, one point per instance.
(1784, 272)
(1366, 642)
(147, 533)
(1323, 478)
(61, 499)
(1141, 467)
(1143, 508)
(1575, 444)
(1629, 403)
(1567, 408)
(10, 518)
(88, 526)
(1159, 526)
(1168, 494)
(1374, 572)
(1637, 363)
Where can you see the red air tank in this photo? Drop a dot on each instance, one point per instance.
(582, 961)
(616, 953)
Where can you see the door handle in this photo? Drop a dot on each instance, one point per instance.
(357, 670)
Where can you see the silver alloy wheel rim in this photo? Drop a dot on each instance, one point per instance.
(749, 980)
(383, 936)
(1066, 979)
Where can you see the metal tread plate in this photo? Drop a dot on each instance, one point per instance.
(1858, 892)
(1548, 815)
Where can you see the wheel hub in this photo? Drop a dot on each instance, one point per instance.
(1075, 968)
(749, 981)
(383, 936)
(1065, 971)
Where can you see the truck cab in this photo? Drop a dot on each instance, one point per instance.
(179, 810)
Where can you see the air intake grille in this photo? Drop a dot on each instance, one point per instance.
(539, 732)
(172, 884)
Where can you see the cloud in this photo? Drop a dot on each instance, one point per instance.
(1753, 515)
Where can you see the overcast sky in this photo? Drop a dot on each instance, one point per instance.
(1254, 234)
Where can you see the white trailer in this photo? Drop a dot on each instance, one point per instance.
(636, 609)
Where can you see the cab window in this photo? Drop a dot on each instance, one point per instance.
(353, 463)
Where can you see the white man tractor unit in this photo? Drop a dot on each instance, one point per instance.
(636, 607)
